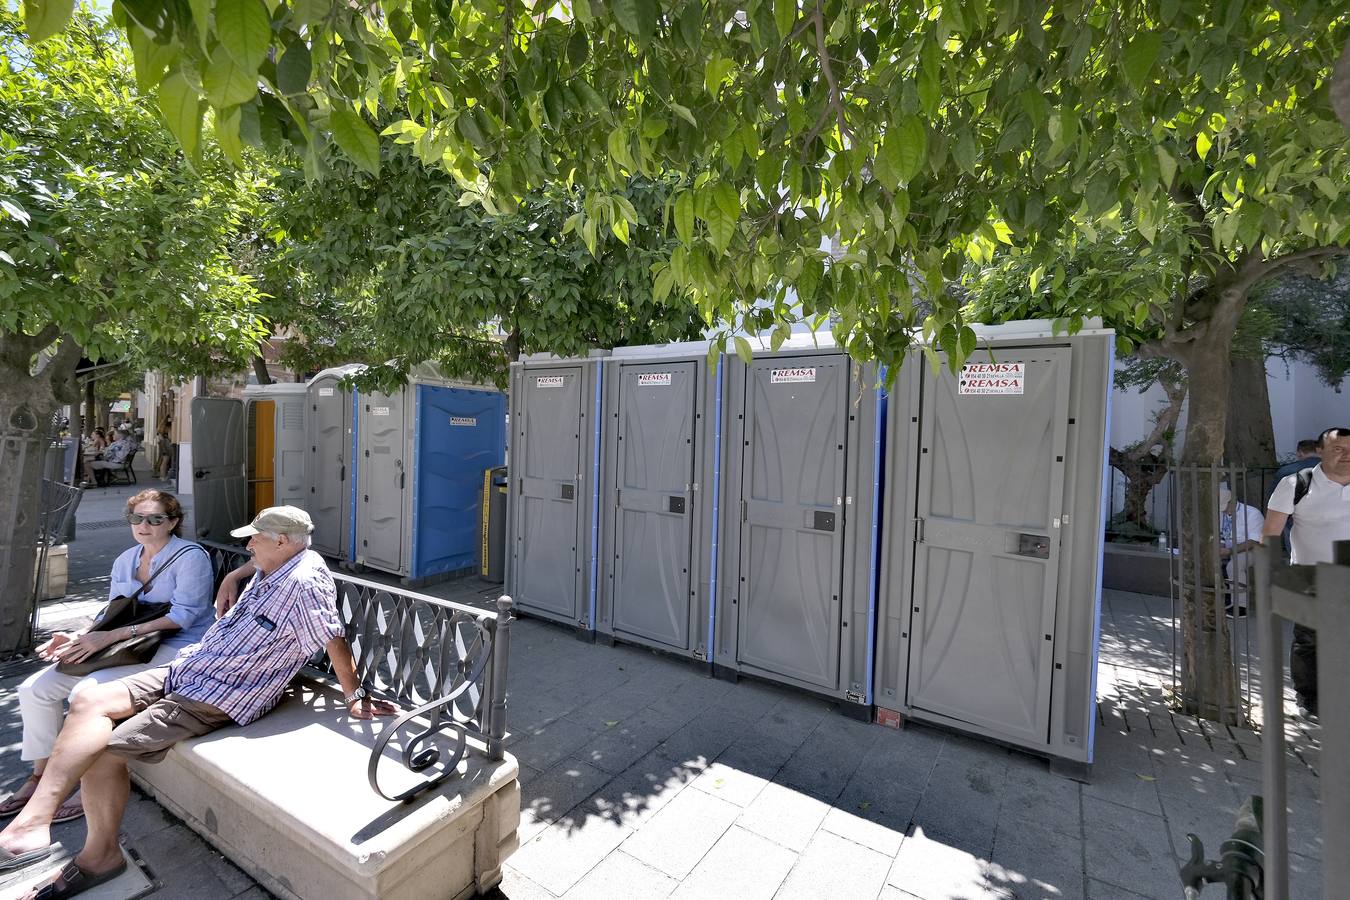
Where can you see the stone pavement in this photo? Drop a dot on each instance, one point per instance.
(642, 777)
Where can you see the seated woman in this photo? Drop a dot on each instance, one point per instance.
(156, 520)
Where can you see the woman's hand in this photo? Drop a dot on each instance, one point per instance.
(84, 646)
(58, 640)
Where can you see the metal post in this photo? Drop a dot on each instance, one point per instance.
(1275, 828)
(501, 651)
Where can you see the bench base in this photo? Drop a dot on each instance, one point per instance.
(286, 800)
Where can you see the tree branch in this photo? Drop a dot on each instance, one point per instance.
(833, 102)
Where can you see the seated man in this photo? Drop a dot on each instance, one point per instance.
(114, 456)
(234, 674)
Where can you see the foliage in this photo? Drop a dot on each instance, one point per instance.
(1311, 320)
(415, 273)
(106, 235)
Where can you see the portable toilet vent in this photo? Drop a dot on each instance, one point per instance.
(330, 469)
(248, 455)
(420, 458)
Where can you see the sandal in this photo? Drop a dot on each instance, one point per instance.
(15, 804)
(74, 880)
(68, 812)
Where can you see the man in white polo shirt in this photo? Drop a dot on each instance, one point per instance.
(1318, 502)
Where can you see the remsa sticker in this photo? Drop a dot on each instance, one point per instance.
(992, 378)
(325, 392)
(379, 410)
(465, 421)
(550, 381)
(794, 375)
(653, 379)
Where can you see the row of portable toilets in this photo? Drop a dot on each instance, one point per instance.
(392, 481)
(930, 552)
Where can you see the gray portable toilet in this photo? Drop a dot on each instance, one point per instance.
(248, 454)
(421, 455)
(330, 470)
(553, 514)
(992, 539)
(799, 506)
(659, 513)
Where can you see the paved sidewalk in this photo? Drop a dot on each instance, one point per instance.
(642, 777)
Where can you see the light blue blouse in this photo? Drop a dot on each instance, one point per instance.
(186, 584)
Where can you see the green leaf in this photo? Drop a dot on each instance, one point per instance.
(201, 18)
(1202, 144)
(684, 216)
(152, 59)
(684, 113)
(293, 69)
(727, 200)
(245, 31)
(619, 151)
(720, 227)
(310, 12)
(1140, 57)
(1167, 165)
(715, 72)
(227, 135)
(784, 16)
(911, 147)
(226, 83)
(968, 341)
(744, 350)
(638, 17)
(44, 18)
(182, 110)
(356, 138)
(16, 212)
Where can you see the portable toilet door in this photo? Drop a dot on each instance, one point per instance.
(328, 470)
(989, 605)
(800, 505)
(459, 432)
(553, 516)
(219, 486)
(381, 480)
(275, 415)
(660, 431)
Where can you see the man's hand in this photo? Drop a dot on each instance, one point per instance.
(228, 594)
(369, 708)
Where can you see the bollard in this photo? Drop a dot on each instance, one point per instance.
(501, 652)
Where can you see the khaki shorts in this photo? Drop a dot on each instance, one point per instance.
(160, 721)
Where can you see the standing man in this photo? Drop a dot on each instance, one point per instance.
(1317, 501)
(233, 675)
(1305, 457)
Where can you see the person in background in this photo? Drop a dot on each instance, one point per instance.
(115, 455)
(1317, 503)
(1240, 528)
(164, 451)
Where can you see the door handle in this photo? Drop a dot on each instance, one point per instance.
(1036, 546)
(198, 474)
(342, 474)
(675, 504)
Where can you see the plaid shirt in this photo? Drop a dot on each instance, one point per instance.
(245, 660)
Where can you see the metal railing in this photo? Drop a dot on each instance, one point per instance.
(1317, 597)
(445, 663)
(56, 518)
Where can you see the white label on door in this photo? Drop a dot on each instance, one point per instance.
(795, 375)
(550, 381)
(653, 379)
(467, 421)
(992, 378)
(325, 392)
(379, 410)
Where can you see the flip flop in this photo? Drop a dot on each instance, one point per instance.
(10, 862)
(74, 880)
(14, 805)
(70, 816)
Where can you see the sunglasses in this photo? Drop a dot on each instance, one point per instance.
(154, 519)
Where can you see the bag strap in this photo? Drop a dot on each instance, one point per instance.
(155, 574)
(1302, 484)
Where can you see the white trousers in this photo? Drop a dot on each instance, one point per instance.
(43, 696)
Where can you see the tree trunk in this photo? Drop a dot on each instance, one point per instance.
(1250, 435)
(260, 369)
(1208, 678)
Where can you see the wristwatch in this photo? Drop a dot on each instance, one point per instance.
(359, 694)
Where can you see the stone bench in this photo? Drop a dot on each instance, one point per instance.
(301, 798)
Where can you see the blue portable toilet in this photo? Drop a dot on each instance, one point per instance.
(420, 458)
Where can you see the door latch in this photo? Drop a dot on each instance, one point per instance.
(918, 529)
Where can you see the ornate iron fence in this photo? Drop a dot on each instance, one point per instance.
(444, 662)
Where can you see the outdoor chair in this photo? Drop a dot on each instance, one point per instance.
(126, 474)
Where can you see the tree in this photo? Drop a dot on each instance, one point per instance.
(111, 247)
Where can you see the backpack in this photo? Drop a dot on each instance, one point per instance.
(1302, 484)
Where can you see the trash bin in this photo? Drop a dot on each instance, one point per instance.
(492, 556)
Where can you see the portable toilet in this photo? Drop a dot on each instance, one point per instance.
(330, 469)
(421, 454)
(993, 522)
(553, 513)
(660, 477)
(248, 455)
(799, 505)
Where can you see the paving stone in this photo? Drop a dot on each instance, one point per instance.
(933, 870)
(1133, 786)
(144, 817)
(679, 835)
(793, 718)
(758, 753)
(784, 816)
(730, 784)
(1102, 890)
(742, 865)
(891, 892)
(552, 742)
(961, 803)
(1038, 864)
(904, 757)
(516, 886)
(700, 740)
(827, 759)
(1305, 876)
(563, 853)
(1038, 796)
(831, 866)
(874, 812)
(545, 799)
(620, 875)
(614, 706)
(1125, 846)
(618, 747)
(1304, 812)
(639, 792)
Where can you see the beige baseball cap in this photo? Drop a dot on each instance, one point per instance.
(277, 520)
